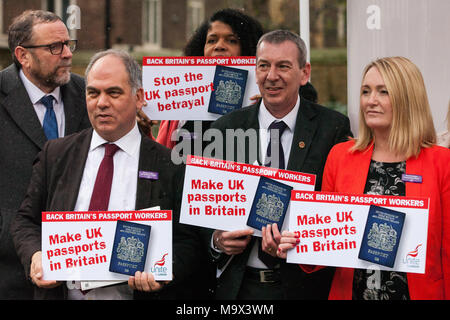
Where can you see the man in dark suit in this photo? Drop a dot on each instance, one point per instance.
(307, 132)
(66, 172)
(42, 54)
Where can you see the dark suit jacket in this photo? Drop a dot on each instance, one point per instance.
(317, 130)
(21, 138)
(55, 183)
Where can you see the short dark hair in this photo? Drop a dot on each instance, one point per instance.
(279, 36)
(246, 28)
(20, 31)
(131, 66)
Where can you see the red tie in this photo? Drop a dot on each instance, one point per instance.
(102, 187)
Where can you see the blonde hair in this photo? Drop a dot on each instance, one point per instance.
(412, 124)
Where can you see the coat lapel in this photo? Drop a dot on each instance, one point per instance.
(147, 160)
(251, 123)
(305, 128)
(66, 194)
(414, 166)
(358, 170)
(19, 106)
(73, 107)
(78, 163)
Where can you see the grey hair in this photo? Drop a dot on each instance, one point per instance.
(20, 31)
(131, 66)
(279, 36)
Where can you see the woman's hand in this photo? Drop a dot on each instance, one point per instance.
(289, 240)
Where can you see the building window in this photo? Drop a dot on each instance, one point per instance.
(151, 29)
(60, 8)
(3, 35)
(195, 15)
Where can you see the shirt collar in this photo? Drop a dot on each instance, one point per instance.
(35, 93)
(266, 118)
(129, 143)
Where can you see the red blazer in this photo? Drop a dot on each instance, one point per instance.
(347, 172)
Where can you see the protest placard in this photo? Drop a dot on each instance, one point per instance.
(78, 245)
(331, 228)
(219, 194)
(180, 88)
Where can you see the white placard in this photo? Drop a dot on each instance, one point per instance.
(331, 227)
(179, 88)
(219, 194)
(78, 245)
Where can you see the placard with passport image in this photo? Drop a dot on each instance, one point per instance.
(381, 236)
(130, 247)
(229, 89)
(269, 204)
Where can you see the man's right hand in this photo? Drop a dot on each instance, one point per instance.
(232, 242)
(37, 274)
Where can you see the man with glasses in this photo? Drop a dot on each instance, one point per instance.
(40, 99)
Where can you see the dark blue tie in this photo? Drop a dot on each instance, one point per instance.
(280, 126)
(276, 142)
(50, 125)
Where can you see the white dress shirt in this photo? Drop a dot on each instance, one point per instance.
(36, 94)
(123, 196)
(265, 118)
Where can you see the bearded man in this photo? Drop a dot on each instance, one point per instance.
(40, 100)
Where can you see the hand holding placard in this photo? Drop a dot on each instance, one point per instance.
(232, 242)
(145, 281)
(78, 245)
(37, 273)
(219, 194)
(271, 238)
(331, 226)
(289, 240)
(180, 88)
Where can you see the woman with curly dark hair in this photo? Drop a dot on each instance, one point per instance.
(246, 30)
(228, 32)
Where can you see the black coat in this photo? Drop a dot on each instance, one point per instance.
(317, 130)
(21, 138)
(55, 184)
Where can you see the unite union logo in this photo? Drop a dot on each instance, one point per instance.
(161, 262)
(158, 267)
(411, 257)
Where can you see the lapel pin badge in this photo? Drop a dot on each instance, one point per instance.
(411, 178)
(149, 175)
(301, 144)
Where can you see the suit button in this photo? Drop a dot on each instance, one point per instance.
(301, 144)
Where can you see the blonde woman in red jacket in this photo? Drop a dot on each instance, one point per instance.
(396, 136)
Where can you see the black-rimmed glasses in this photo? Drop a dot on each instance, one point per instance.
(57, 48)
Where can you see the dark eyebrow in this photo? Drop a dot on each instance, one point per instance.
(276, 62)
(115, 88)
(284, 61)
(91, 88)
